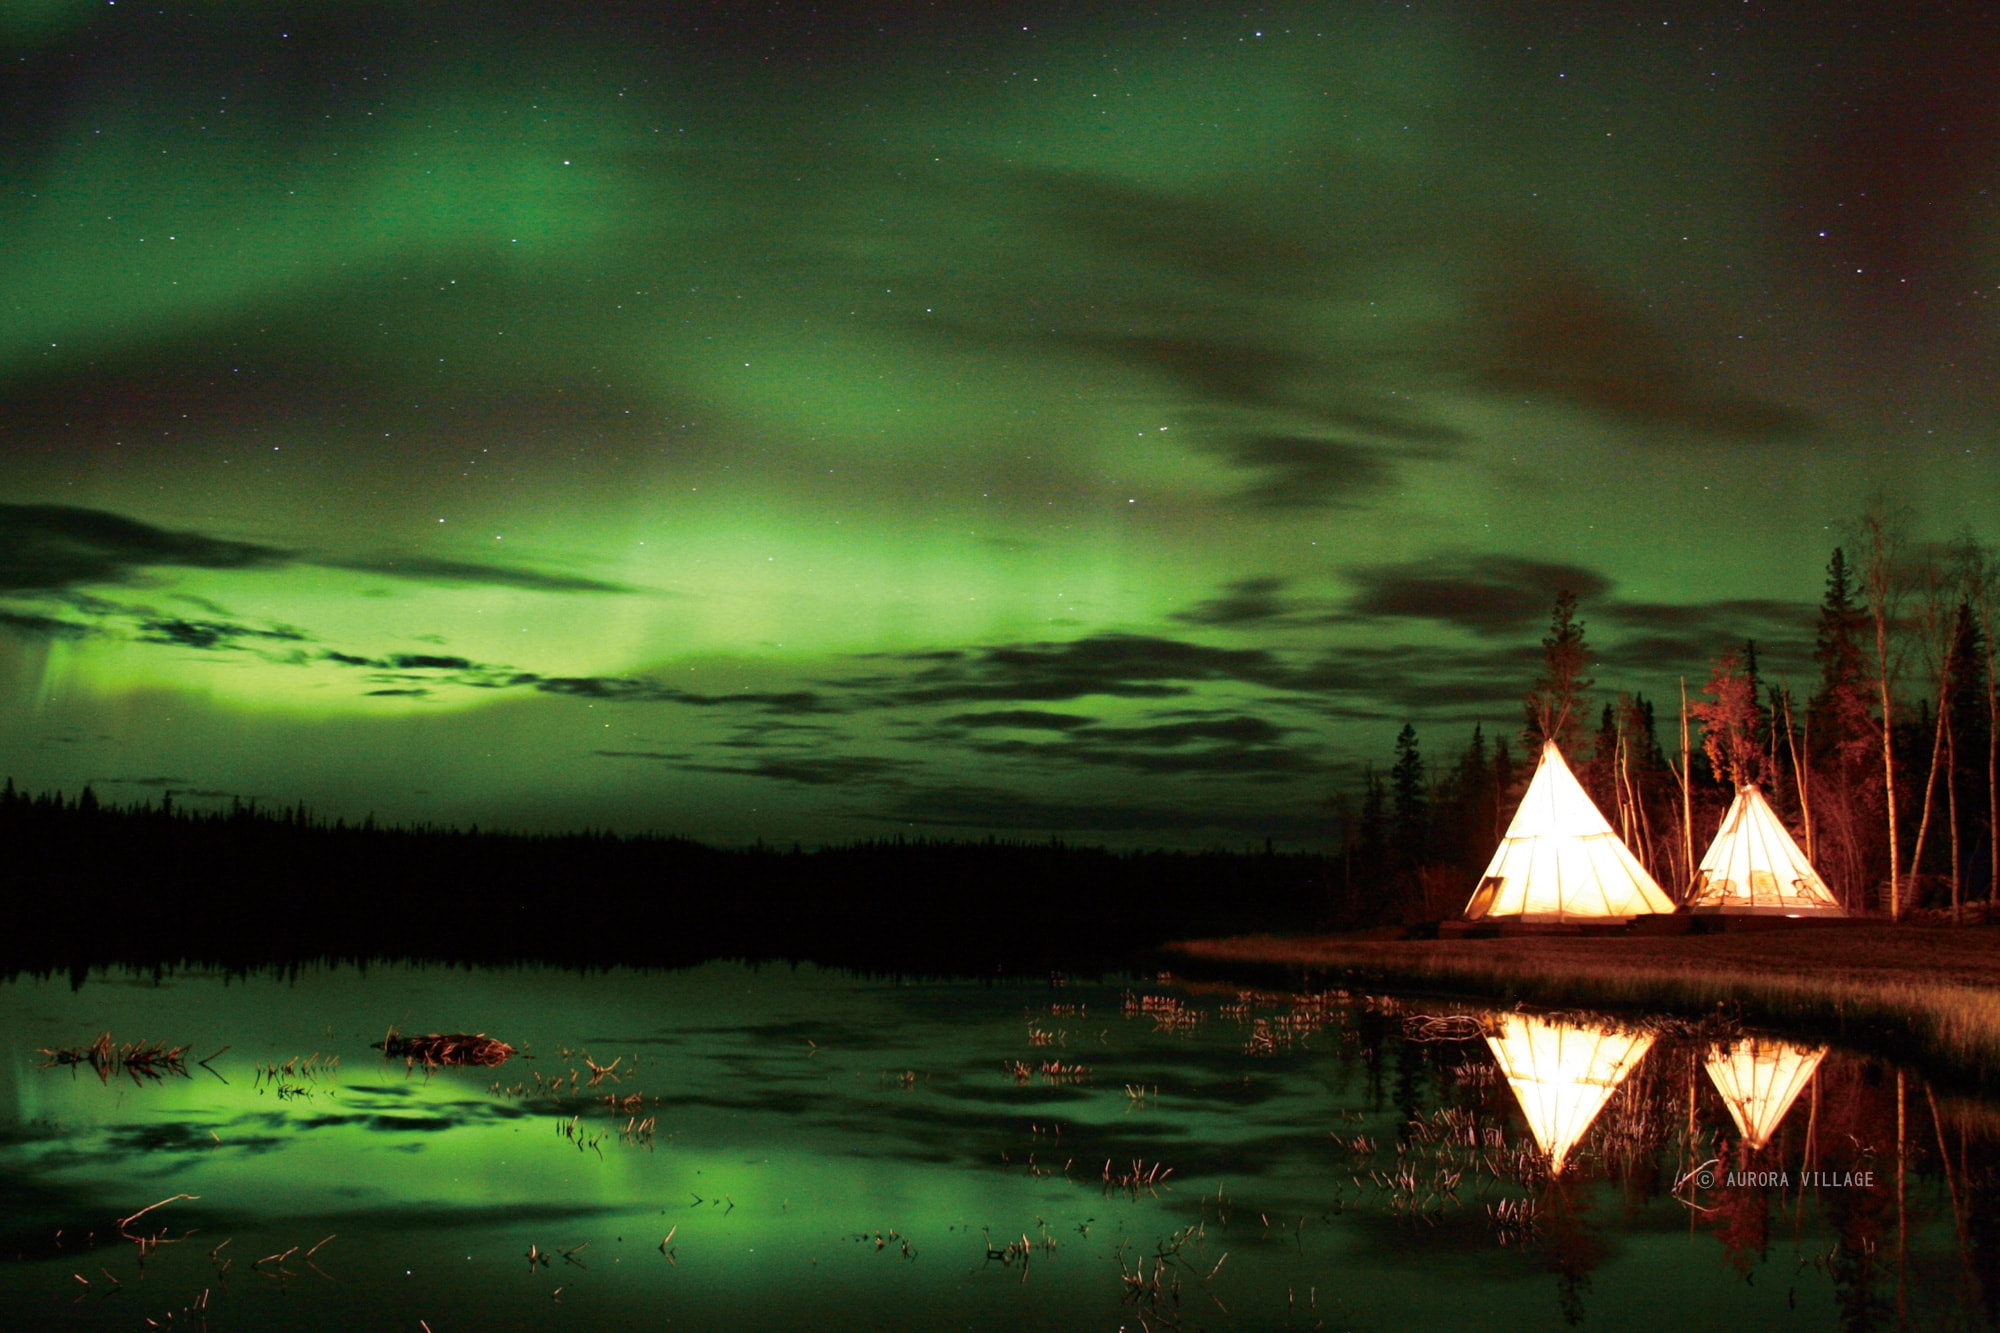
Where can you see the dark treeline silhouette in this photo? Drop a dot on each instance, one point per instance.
(1899, 719)
(93, 884)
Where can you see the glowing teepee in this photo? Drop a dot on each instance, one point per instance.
(1563, 1074)
(1759, 1079)
(1754, 866)
(1560, 861)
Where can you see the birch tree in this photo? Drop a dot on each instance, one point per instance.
(1880, 537)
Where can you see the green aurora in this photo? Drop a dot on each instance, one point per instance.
(812, 424)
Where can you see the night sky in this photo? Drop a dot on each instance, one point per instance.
(827, 421)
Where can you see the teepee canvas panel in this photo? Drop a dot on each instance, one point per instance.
(1754, 866)
(1561, 861)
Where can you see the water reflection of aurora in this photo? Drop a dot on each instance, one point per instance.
(801, 1115)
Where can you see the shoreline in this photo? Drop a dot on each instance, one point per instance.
(1934, 991)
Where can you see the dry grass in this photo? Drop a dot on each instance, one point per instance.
(1938, 989)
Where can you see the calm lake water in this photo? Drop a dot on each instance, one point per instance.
(778, 1148)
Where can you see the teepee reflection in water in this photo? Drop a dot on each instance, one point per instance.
(1759, 1079)
(1563, 1072)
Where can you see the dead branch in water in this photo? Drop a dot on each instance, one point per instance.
(444, 1048)
(140, 1059)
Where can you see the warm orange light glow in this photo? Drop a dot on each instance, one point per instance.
(1754, 866)
(1759, 1079)
(1563, 1073)
(1561, 860)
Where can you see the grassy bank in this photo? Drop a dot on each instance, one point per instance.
(1929, 994)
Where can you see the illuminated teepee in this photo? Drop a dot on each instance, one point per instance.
(1759, 1079)
(1563, 1073)
(1754, 866)
(1560, 861)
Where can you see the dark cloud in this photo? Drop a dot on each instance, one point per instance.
(1435, 437)
(629, 689)
(1737, 618)
(1205, 242)
(48, 547)
(402, 669)
(211, 633)
(43, 626)
(1241, 760)
(1222, 744)
(830, 771)
(1237, 729)
(1635, 646)
(428, 662)
(1400, 680)
(1023, 719)
(613, 689)
(1254, 601)
(439, 669)
(771, 733)
(811, 771)
(1302, 473)
(423, 569)
(1485, 594)
(1560, 335)
(1206, 291)
(1123, 665)
(1662, 656)
(1238, 372)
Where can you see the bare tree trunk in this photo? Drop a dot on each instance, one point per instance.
(1951, 808)
(1938, 736)
(1937, 636)
(1986, 591)
(1687, 798)
(1880, 540)
(1624, 788)
(1889, 769)
(1801, 773)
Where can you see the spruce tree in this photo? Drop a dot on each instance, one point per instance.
(1409, 801)
(1555, 706)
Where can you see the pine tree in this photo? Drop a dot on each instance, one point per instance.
(1470, 842)
(1410, 804)
(1842, 726)
(1966, 733)
(1555, 706)
(1503, 784)
(1763, 729)
(1842, 738)
(1372, 851)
